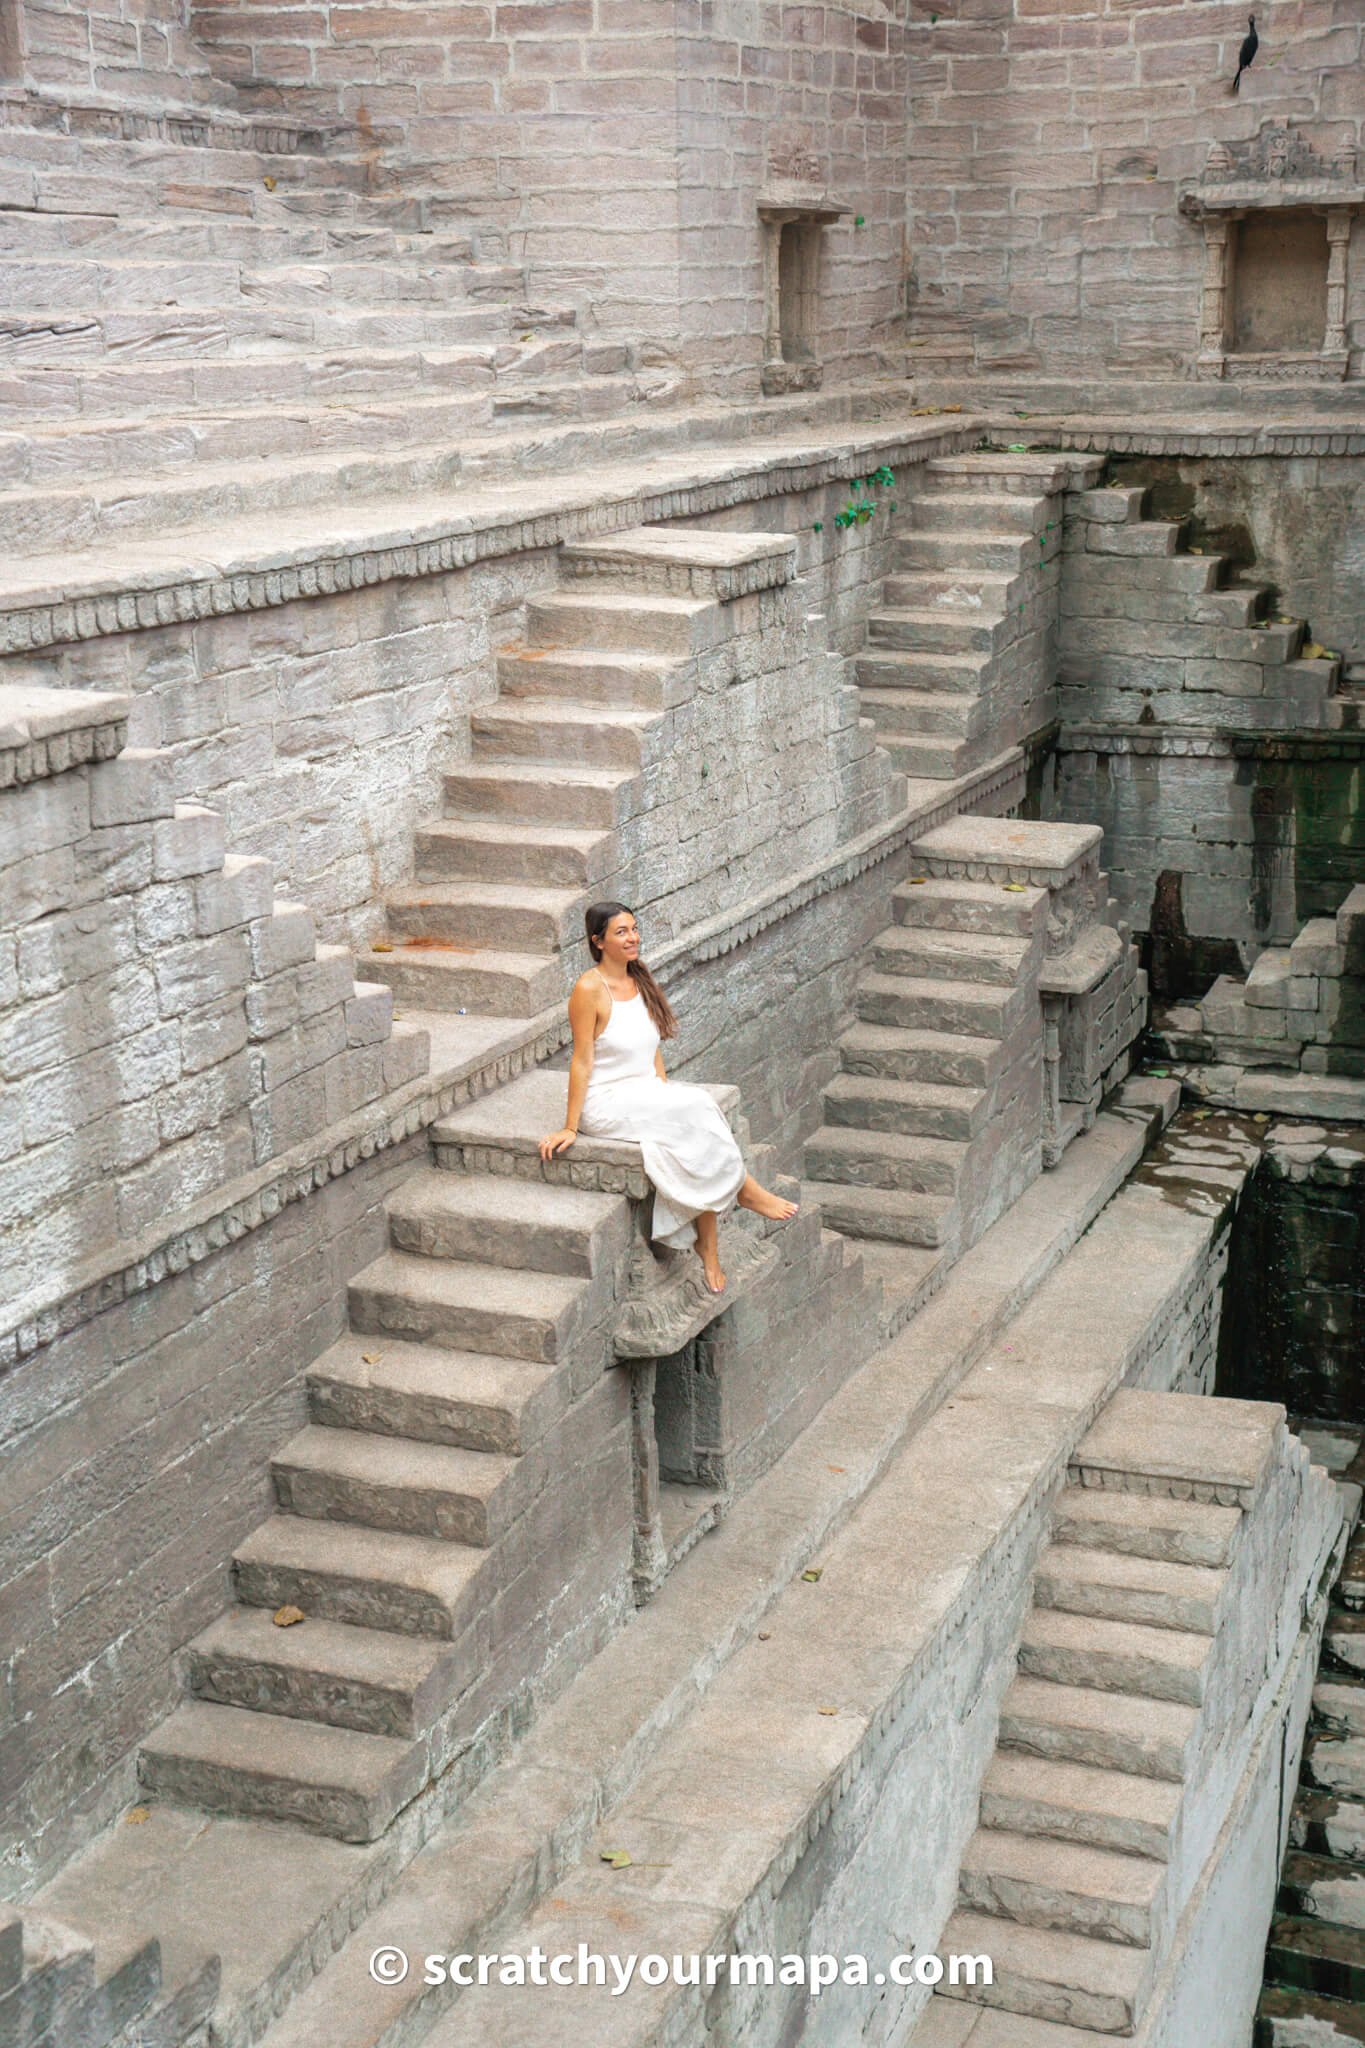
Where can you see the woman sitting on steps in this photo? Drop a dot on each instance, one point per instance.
(618, 1089)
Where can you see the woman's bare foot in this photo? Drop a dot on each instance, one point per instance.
(764, 1203)
(708, 1251)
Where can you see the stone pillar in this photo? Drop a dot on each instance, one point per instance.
(650, 1559)
(1213, 305)
(11, 39)
(1339, 219)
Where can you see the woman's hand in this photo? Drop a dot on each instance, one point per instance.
(558, 1141)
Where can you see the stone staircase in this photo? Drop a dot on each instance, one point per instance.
(935, 1073)
(993, 1015)
(431, 1516)
(536, 820)
(1315, 1958)
(1090, 1831)
(62, 1989)
(964, 639)
(191, 330)
(453, 1524)
(1153, 628)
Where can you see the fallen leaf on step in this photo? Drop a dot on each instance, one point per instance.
(1015, 888)
(826, 1710)
(285, 1617)
(270, 184)
(813, 1574)
(136, 1815)
(916, 881)
(381, 946)
(619, 1859)
(765, 1635)
(836, 1468)
(1315, 651)
(370, 1357)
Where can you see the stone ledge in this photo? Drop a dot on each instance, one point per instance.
(32, 110)
(46, 732)
(246, 1204)
(1084, 966)
(1009, 850)
(680, 563)
(275, 559)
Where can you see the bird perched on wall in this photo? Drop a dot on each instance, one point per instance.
(1251, 43)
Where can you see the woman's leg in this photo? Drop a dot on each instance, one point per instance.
(708, 1250)
(763, 1202)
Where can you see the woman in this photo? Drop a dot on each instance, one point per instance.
(618, 1089)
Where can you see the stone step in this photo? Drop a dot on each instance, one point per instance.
(104, 335)
(56, 1979)
(1193, 1532)
(959, 1008)
(941, 1058)
(1107, 1730)
(366, 1679)
(496, 1220)
(563, 796)
(216, 391)
(1320, 1888)
(506, 916)
(891, 1216)
(1113, 1656)
(967, 549)
(931, 954)
(641, 622)
(372, 1578)
(1287, 2018)
(434, 1395)
(924, 1109)
(585, 676)
(332, 1781)
(957, 510)
(584, 735)
(1073, 1802)
(1046, 1975)
(495, 854)
(925, 755)
(884, 1159)
(436, 974)
(962, 906)
(921, 589)
(1350, 1587)
(1325, 1825)
(467, 1307)
(79, 282)
(930, 631)
(894, 712)
(1316, 1956)
(1012, 470)
(226, 238)
(390, 1482)
(1069, 1886)
(1335, 1763)
(921, 671)
(1117, 1586)
(1339, 1705)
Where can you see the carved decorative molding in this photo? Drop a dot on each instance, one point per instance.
(667, 1300)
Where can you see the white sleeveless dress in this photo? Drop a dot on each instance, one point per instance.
(689, 1150)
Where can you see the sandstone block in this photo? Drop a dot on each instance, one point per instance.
(135, 788)
(190, 843)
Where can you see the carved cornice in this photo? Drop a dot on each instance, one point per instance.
(1208, 743)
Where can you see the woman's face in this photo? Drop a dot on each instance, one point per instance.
(621, 939)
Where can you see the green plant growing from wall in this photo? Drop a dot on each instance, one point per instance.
(862, 504)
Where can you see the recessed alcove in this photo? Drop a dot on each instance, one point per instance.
(1277, 217)
(793, 221)
(1279, 283)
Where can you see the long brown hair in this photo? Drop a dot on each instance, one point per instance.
(596, 918)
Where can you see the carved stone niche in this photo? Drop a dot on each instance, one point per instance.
(793, 216)
(1277, 219)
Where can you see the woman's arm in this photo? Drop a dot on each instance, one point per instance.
(583, 1005)
(659, 1063)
